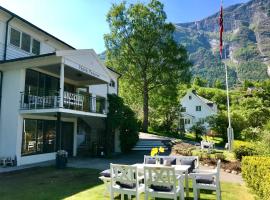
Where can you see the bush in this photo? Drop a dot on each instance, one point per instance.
(251, 133)
(256, 172)
(242, 148)
(121, 117)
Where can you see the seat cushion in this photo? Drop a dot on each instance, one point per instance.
(204, 179)
(150, 161)
(169, 161)
(126, 185)
(160, 188)
(190, 162)
(106, 173)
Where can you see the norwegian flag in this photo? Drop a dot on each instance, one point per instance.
(221, 29)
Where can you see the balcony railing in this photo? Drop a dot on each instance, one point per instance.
(73, 101)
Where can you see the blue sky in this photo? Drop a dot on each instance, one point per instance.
(82, 23)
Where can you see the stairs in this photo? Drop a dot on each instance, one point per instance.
(148, 144)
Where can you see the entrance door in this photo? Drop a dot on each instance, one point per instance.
(67, 132)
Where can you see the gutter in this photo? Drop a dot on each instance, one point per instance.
(6, 36)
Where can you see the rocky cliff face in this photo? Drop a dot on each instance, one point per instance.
(247, 43)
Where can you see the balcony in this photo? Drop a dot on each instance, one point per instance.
(71, 101)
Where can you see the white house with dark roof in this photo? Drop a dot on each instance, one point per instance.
(52, 96)
(195, 108)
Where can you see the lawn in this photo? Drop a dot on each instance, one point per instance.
(48, 183)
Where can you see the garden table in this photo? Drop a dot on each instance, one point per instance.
(179, 169)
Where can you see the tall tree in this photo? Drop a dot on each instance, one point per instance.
(141, 46)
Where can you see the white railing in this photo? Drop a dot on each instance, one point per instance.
(73, 101)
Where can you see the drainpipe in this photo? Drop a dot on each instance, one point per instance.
(6, 37)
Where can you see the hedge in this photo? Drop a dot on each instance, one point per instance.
(256, 173)
(243, 148)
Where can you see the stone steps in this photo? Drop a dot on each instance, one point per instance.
(148, 144)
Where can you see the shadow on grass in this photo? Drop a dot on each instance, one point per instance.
(46, 183)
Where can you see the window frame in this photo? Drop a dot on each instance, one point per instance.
(198, 110)
(20, 47)
(10, 29)
(30, 42)
(112, 83)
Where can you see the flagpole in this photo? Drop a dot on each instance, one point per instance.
(230, 134)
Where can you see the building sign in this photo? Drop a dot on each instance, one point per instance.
(88, 71)
(81, 68)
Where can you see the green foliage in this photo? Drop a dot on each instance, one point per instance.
(121, 117)
(252, 70)
(241, 148)
(263, 145)
(219, 123)
(218, 84)
(251, 133)
(141, 46)
(198, 81)
(249, 52)
(256, 172)
(198, 129)
(164, 109)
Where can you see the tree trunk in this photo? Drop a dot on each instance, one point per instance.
(145, 108)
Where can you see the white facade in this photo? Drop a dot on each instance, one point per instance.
(196, 109)
(30, 95)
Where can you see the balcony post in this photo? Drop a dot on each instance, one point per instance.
(61, 91)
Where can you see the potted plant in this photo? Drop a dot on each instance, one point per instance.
(61, 159)
(155, 151)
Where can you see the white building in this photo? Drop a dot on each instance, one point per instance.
(195, 108)
(52, 96)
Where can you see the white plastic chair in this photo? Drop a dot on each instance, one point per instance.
(125, 180)
(162, 182)
(206, 179)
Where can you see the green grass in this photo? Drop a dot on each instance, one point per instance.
(78, 184)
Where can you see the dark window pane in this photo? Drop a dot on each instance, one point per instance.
(49, 136)
(29, 137)
(35, 47)
(39, 136)
(26, 42)
(15, 37)
(31, 82)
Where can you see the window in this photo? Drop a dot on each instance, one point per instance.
(190, 97)
(187, 121)
(198, 108)
(15, 37)
(39, 136)
(202, 120)
(183, 109)
(35, 47)
(112, 83)
(26, 42)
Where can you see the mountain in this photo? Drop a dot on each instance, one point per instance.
(247, 43)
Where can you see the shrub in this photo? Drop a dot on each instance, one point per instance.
(198, 129)
(121, 117)
(219, 156)
(242, 148)
(256, 172)
(251, 133)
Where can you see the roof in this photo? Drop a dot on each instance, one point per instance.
(34, 26)
(27, 58)
(204, 99)
(113, 70)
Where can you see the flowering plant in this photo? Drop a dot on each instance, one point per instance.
(155, 151)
